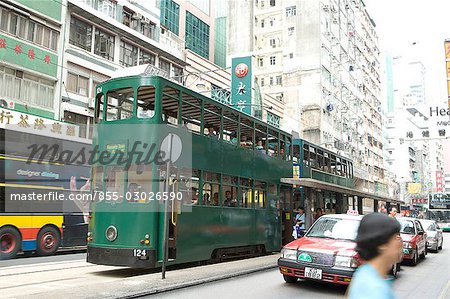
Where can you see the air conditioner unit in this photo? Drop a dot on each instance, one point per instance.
(91, 103)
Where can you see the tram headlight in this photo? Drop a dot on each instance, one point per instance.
(111, 233)
(290, 254)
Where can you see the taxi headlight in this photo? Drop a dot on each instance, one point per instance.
(290, 254)
(407, 245)
(346, 261)
(111, 233)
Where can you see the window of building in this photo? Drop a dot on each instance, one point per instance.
(146, 58)
(128, 54)
(262, 82)
(4, 19)
(271, 81)
(81, 120)
(272, 43)
(148, 29)
(279, 80)
(290, 31)
(197, 35)
(80, 34)
(291, 11)
(272, 22)
(262, 23)
(260, 61)
(77, 84)
(108, 7)
(104, 44)
(291, 55)
(178, 74)
(272, 2)
(272, 60)
(24, 87)
(165, 66)
(170, 15)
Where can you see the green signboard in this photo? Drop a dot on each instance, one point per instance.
(30, 57)
(50, 8)
(241, 83)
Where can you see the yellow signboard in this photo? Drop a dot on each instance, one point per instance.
(447, 50)
(414, 188)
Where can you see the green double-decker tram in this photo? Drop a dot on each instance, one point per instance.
(213, 177)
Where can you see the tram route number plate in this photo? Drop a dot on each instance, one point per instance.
(313, 273)
(139, 252)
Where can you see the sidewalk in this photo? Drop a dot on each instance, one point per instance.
(115, 283)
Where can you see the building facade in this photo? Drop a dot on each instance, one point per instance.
(317, 64)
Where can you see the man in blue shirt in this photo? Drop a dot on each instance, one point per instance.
(380, 245)
(300, 220)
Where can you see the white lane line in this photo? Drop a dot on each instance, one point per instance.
(444, 294)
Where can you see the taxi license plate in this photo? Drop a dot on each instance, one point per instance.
(313, 273)
(139, 252)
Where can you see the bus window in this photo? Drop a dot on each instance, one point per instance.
(120, 104)
(245, 193)
(146, 102)
(139, 183)
(115, 180)
(230, 127)
(260, 194)
(191, 114)
(98, 107)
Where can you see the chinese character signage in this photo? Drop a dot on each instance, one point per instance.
(14, 120)
(439, 183)
(241, 84)
(414, 188)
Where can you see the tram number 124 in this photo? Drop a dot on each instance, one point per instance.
(139, 252)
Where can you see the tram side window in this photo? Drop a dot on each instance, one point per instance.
(261, 138)
(306, 155)
(320, 160)
(211, 189)
(246, 140)
(338, 167)
(115, 181)
(260, 194)
(191, 114)
(273, 143)
(170, 104)
(313, 158)
(296, 153)
(139, 183)
(327, 163)
(333, 164)
(230, 127)
(229, 191)
(245, 193)
(120, 104)
(211, 121)
(289, 156)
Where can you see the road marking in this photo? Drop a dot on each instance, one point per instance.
(444, 292)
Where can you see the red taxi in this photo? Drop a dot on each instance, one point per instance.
(414, 239)
(326, 252)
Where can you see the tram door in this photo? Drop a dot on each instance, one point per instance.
(174, 210)
(286, 213)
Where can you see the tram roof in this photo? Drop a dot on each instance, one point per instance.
(145, 71)
(312, 183)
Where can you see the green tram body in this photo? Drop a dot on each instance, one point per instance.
(318, 163)
(208, 231)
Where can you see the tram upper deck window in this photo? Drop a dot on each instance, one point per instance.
(99, 107)
(146, 102)
(211, 120)
(191, 113)
(170, 104)
(120, 104)
(306, 154)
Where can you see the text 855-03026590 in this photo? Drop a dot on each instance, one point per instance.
(136, 196)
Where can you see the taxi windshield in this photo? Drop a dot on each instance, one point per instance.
(334, 228)
(407, 227)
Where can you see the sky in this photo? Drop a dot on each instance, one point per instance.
(400, 23)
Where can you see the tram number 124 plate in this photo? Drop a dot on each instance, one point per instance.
(313, 273)
(139, 252)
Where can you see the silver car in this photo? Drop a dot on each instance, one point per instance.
(434, 234)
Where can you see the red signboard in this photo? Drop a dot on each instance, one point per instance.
(439, 183)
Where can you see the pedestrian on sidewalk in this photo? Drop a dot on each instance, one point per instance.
(297, 232)
(378, 242)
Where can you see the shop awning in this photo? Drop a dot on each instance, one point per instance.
(324, 186)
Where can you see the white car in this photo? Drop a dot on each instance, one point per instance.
(434, 234)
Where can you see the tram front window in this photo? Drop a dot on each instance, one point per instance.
(119, 104)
